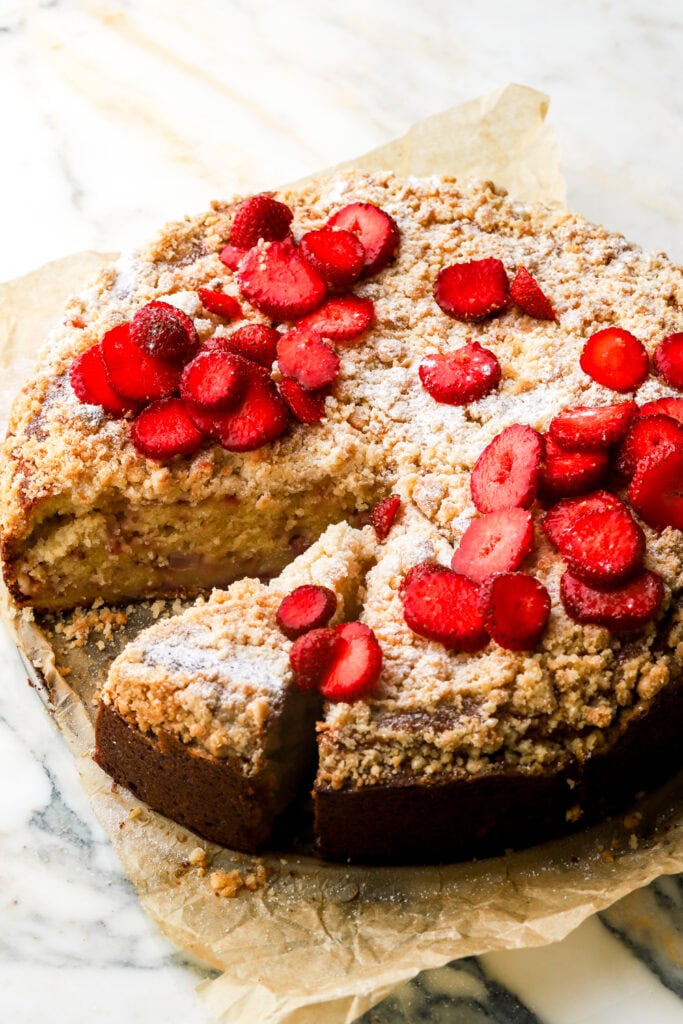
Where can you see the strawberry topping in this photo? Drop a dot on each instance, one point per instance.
(417, 572)
(464, 375)
(668, 360)
(527, 295)
(220, 303)
(562, 516)
(253, 341)
(585, 428)
(656, 491)
(616, 359)
(668, 406)
(383, 515)
(647, 436)
(304, 356)
(338, 256)
(473, 290)
(444, 605)
(603, 547)
(622, 610)
(497, 542)
(260, 417)
(311, 656)
(164, 332)
(231, 256)
(306, 608)
(377, 232)
(165, 429)
(259, 217)
(356, 664)
(567, 473)
(280, 282)
(506, 473)
(214, 380)
(305, 406)
(88, 376)
(133, 373)
(516, 610)
(340, 319)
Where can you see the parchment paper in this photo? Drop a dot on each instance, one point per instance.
(323, 943)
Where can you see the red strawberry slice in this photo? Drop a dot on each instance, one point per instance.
(506, 473)
(305, 406)
(603, 547)
(667, 406)
(133, 373)
(260, 417)
(445, 606)
(306, 608)
(338, 256)
(566, 474)
(259, 217)
(165, 429)
(304, 356)
(656, 491)
(312, 655)
(497, 542)
(164, 332)
(527, 294)
(562, 516)
(417, 572)
(473, 290)
(615, 359)
(584, 428)
(220, 303)
(668, 360)
(622, 610)
(340, 319)
(647, 436)
(278, 280)
(231, 256)
(88, 376)
(383, 515)
(253, 341)
(214, 380)
(464, 375)
(516, 610)
(377, 232)
(356, 665)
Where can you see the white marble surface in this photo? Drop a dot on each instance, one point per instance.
(117, 114)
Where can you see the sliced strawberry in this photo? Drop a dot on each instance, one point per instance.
(133, 373)
(656, 491)
(278, 280)
(165, 429)
(231, 256)
(356, 665)
(88, 376)
(516, 610)
(615, 359)
(338, 256)
(647, 436)
(622, 610)
(506, 473)
(497, 542)
(259, 217)
(527, 294)
(668, 360)
(562, 516)
(383, 515)
(417, 572)
(584, 428)
(306, 608)
(473, 290)
(312, 655)
(603, 547)
(164, 332)
(444, 605)
(253, 341)
(220, 303)
(668, 406)
(304, 356)
(377, 232)
(340, 319)
(305, 406)
(565, 473)
(260, 417)
(464, 375)
(214, 380)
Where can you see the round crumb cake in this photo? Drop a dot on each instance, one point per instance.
(457, 437)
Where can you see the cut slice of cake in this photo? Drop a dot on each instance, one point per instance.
(199, 716)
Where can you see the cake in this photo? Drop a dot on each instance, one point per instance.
(502, 656)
